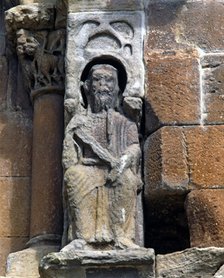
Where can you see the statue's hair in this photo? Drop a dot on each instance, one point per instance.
(99, 66)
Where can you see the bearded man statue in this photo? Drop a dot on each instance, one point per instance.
(102, 179)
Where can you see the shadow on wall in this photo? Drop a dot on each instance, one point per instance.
(163, 12)
(166, 226)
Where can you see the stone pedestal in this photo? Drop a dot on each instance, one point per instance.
(130, 263)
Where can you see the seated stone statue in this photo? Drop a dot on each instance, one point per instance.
(101, 163)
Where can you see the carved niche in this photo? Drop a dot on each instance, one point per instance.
(102, 168)
(101, 156)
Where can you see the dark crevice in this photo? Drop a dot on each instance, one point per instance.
(166, 225)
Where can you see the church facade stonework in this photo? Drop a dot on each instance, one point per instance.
(111, 139)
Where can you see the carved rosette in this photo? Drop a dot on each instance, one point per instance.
(39, 47)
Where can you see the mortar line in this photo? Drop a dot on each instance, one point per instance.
(186, 155)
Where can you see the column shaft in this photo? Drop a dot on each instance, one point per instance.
(46, 208)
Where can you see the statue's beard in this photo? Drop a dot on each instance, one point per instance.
(102, 101)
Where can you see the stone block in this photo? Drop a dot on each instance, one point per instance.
(166, 165)
(15, 206)
(133, 263)
(173, 93)
(122, 38)
(193, 262)
(179, 159)
(205, 212)
(25, 263)
(3, 81)
(205, 153)
(213, 90)
(177, 24)
(117, 5)
(8, 245)
(15, 146)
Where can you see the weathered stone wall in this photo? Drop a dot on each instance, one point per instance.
(15, 151)
(184, 124)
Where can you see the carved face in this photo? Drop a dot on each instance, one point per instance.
(103, 88)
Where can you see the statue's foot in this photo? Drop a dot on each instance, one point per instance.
(76, 244)
(82, 245)
(125, 243)
(103, 238)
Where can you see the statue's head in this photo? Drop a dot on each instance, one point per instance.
(101, 87)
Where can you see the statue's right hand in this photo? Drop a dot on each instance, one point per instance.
(114, 174)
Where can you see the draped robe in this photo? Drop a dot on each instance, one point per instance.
(99, 212)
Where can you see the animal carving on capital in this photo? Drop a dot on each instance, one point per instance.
(41, 55)
(101, 168)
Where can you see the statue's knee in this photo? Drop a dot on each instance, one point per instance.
(71, 174)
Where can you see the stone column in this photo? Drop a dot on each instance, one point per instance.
(41, 54)
(46, 204)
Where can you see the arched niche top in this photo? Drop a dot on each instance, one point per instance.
(127, 57)
(108, 40)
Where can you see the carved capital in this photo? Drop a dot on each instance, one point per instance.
(39, 47)
(41, 55)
